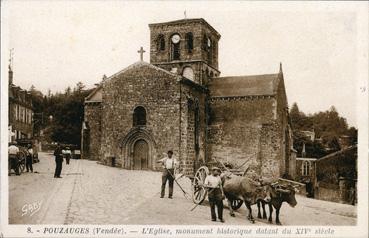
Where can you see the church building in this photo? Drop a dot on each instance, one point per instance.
(180, 102)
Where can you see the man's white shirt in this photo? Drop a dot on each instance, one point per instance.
(212, 181)
(170, 163)
(13, 150)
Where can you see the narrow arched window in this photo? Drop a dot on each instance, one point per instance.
(160, 43)
(175, 47)
(188, 73)
(189, 42)
(306, 168)
(205, 43)
(210, 50)
(139, 116)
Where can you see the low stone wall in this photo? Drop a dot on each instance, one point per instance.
(328, 194)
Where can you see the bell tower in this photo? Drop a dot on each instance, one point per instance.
(188, 47)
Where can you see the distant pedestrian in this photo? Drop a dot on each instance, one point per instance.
(67, 154)
(13, 158)
(29, 158)
(216, 196)
(58, 161)
(169, 164)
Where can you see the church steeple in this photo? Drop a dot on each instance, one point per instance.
(280, 68)
(187, 46)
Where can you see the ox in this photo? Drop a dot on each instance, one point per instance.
(276, 195)
(237, 187)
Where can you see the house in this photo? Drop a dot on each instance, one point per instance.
(20, 124)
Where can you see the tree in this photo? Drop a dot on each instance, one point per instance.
(299, 120)
(68, 91)
(68, 113)
(328, 126)
(38, 107)
(352, 133)
(79, 87)
(314, 149)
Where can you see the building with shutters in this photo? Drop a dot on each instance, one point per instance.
(20, 125)
(179, 102)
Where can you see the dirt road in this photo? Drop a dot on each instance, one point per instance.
(90, 193)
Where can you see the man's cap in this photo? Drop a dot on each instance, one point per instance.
(216, 168)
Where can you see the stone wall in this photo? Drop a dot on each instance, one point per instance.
(196, 67)
(283, 123)
(92, 143)
(197, 58)
(198, 28)
(153, 89)
(193, 99)
(243, 130)
(328, 194)
(271, 153)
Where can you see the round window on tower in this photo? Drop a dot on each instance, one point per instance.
(188, 73)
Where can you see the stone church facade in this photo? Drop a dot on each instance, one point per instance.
(178, 101)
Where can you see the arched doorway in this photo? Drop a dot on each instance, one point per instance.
(141, 155)
(138, 149)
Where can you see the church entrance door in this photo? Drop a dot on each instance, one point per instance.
(141, 155)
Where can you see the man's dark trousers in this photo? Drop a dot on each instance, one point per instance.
(215, 199)
(14, 163)
(29, 163)
(167, 176)
(58, 168)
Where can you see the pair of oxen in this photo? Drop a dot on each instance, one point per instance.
(258, 192)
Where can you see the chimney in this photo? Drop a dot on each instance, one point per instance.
(303, 152)
(10, 75)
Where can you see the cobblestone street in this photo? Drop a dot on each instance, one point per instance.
(90, 193)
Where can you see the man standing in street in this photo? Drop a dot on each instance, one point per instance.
(169, 164)
(29, 158)
(216, 196)
(13, 152)
(58, 161)
(67, 154)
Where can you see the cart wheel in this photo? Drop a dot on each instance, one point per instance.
(198, 190)
(22, 162)
(236, 204)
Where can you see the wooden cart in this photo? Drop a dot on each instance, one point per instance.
(199, 192)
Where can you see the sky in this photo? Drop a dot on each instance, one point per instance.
(57, 44)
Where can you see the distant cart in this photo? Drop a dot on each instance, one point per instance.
(22, 144)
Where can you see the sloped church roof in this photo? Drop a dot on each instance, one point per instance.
(253, 85)
(96, 94)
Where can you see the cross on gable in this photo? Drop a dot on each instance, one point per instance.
(141, 51)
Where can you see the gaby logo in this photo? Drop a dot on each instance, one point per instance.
(31, 208)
